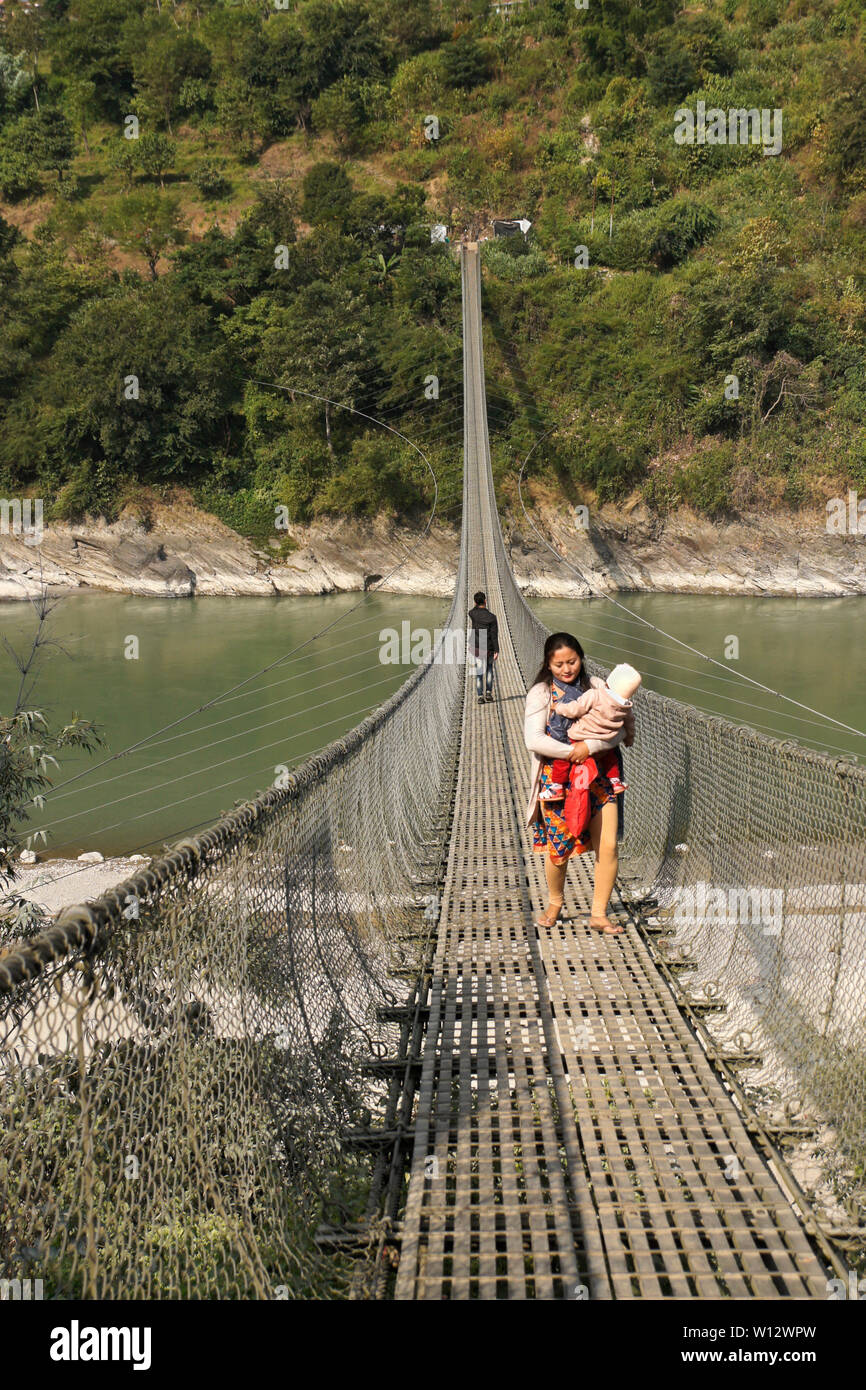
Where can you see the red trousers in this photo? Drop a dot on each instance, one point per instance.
(577, 777)
(561, 768)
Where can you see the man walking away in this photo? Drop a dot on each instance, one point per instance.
(485, 647)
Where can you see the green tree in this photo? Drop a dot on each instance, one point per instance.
(147, 223)
(35, 141)
(161, 65)
(341, 41)
(671, 72)
(320, 343)
(54, 143)
(9, 238)
(80, 99)
(156, 154)
(42, 138)
(24, 32)
(846, 138)
(9, 274)
(19, 173)
(340, 110)
(613, 33)
(209, 179)
(91, 429)
(13, 84)
(94, 48)
(327, 192)
(464, 63)
(239, 114)
(123, 159)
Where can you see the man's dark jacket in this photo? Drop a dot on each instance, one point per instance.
(484, 627)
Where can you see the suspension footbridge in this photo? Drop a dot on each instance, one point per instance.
(323, 1047)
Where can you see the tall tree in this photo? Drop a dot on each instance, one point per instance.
(166, 60)
(81, 103)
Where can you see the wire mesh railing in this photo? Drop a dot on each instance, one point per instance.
(755, 851)
(179, 1060)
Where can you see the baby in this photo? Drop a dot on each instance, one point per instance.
(605, 713)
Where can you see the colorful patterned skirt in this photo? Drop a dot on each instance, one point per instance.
(549, 831)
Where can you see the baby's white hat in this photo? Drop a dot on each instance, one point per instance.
(623, 681)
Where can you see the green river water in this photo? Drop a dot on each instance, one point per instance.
(192, 650)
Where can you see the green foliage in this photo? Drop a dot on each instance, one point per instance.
(340, 109)
(464, 63)
(13, 84)
(671, 71)
(706, 484)
(146, 222)
(250, 513)
(156, 154)
(327, 193)
(514, 268)
(36, 141)
(163, 60)
(19, 172)
(87, 426)
(613, 32)
(722, 261)
(209, 179)
(29, 745)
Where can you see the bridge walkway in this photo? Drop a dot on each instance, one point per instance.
(572, 1139)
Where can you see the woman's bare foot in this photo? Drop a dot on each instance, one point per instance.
(604, 925)
(550, 917)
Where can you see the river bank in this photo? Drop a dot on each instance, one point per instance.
(58, 883)
(181, 552)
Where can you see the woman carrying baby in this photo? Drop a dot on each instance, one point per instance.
(561, 678)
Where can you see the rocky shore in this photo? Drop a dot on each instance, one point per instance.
(630, 550)
(181, 552)
(58, 883)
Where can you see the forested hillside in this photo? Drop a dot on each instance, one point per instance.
(693, 314)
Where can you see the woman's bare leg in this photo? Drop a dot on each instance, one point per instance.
(555, 874)
(602, 833)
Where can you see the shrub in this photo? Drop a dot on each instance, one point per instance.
(464, 63)
(661, 237)
(707, 484)
(209, 179)
(514, 268)
(19, 174)
(250, 513)
(671, 73)
(327, 193)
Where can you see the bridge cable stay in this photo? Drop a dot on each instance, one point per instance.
(213, 1077)
(601, 593)
(280, 660)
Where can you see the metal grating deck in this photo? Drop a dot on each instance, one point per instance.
(572, 1139)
